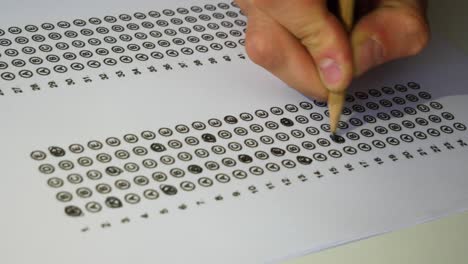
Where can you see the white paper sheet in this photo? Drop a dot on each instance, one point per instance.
(79, 207)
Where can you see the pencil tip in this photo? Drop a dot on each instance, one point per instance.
(333, 136)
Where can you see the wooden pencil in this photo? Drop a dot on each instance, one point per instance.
(336, 100)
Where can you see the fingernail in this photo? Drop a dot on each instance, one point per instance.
(370, 55)
(331, 72)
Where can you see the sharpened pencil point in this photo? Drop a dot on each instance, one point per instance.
(335, 106)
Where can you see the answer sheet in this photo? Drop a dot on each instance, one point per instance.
(139, 132)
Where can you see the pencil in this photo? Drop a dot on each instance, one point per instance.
(336, 100)
(347, 13)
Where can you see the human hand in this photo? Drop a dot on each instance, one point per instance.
(305, 45)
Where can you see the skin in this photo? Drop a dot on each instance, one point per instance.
(306, 46)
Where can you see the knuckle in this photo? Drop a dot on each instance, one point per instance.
(312, 37)
(260, 50)
(317, 34)
(416, 28)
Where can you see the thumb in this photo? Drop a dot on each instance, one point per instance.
(320, 33)
(395, 29)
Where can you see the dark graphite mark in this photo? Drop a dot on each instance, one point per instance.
(337, 138)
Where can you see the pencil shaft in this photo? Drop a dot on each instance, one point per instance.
(347, 13)
(335, 106)
(336, 100)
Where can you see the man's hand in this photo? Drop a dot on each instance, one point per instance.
(307, 47)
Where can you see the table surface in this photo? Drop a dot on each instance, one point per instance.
(442, 241)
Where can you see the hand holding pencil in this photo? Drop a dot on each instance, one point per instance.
(319, 52)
